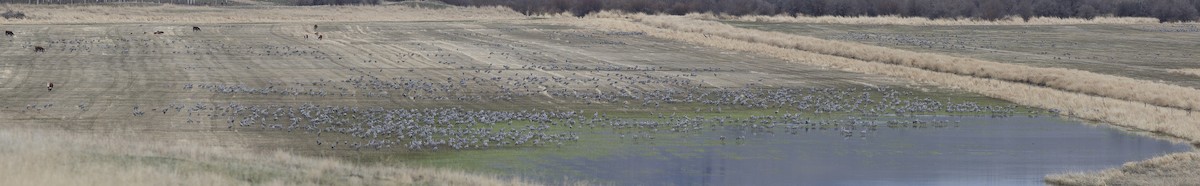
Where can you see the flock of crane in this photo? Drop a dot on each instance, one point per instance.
(848, 111)
(553, 93)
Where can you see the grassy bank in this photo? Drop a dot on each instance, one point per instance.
(34, 157)
(1173, 169)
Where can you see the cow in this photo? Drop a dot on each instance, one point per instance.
(314, 27)
(195, 29)
(50, 86)
(159, 32)
(320, 37)
(39, 49)
(8, 33)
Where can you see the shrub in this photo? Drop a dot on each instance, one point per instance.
(13, 15)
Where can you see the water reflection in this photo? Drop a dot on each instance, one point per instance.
(980, 150)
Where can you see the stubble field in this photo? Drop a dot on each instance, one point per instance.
(438, 88)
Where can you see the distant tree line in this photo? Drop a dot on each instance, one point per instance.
(336, 2)
(1164, 10)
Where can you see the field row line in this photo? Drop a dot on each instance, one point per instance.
(1125, 88)
(1132, 114)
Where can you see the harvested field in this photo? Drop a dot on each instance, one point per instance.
(1066, 79)
(494, 92)
(157, 13)
(116, 77)
(1141, 51)
(227, 62)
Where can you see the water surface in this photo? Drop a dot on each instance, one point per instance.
(975, 151)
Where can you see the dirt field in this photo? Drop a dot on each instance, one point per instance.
(145, 81)
(1142, 51)
(112, 68)
(119, 78)
(115, 73)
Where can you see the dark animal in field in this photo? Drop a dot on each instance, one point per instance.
(159, 32)
(195, 29)
(50, 86)
(314, 27)
(39, 49)
(320, 37)
(8, 33)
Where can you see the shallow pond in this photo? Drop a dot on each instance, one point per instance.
(974, 151)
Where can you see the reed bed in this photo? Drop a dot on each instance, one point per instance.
(167, 13)
(36, 157)
(1150, 92)
(921, 21)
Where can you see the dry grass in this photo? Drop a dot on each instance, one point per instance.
(1155, 93)
(1173, 169)
(64, 14)
(1189, 71)
(1131, 114)
(897, 20)
(31, 157)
